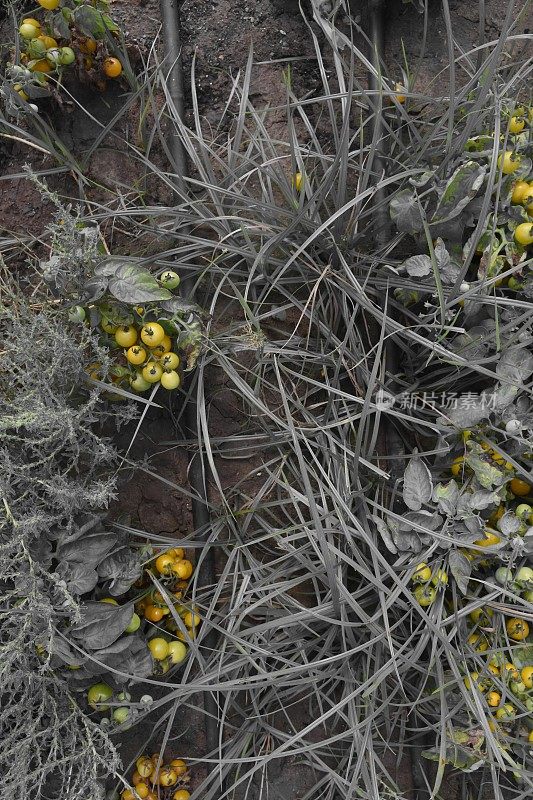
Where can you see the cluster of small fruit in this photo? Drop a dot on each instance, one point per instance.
(154, 780)
(509, 162)
(50, 45)
(427, 583)
(174, 571)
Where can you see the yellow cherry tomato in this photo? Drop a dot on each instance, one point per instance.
(144, 766)
(521, 189)
(49, 5)
(517, 629)
(167, 776)
(142, 790)
(422, 573)
(457, 465)
(169, 360)
(41, 66)
(164, 562)
(48, 41)
(177, 652)
(179, 766)
(493, 699)
(176, 553)
(508, 162)
(88, 46)
(514, 673)
(152, 373)
(136, 355)
(529, 738)
(480, 612)
(507, 711)
(152, 334)
(523, 233)
(181, 794)
(479, 643)
(112, 67)
(516, 125)
(489, 539)
(158, 648)
(182, 568)
(126, 335)
(170, 380)
(519, 487)
(163, 347)
(527, 677)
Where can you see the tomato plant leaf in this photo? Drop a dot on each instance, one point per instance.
(89, 550)
(461, 569)
(447, 497)
(101, 624)
(418, 266)
(92, 22)
(79, 578)
(417, 484)
(515, 365)
(131, 284)
(487, 475)
(381, 525)
(459, 191)
(405, 212)
(122, 569)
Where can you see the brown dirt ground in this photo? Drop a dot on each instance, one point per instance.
(219, 33)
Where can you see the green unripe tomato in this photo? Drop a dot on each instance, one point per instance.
(518, 687)
(77, 314)
(528, 595)
(29, 31)
(36, 49)
(503, 575)
(169, 279)
(98, 694)
(134, 624)
(523, 510)
(138, 384)
(529, 704)
(121, 714)
(67, 56)
(53, 56)
(123, 697)
(425, 595)
(514, 284)
(524, 575)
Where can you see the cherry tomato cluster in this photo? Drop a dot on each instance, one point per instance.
(153, 779)
(174, 571)
(53, 43)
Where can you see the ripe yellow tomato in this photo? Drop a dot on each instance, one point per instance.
(177, 652)
(41, 66)
(153, 614)
(479, 643)
(167, 776)
(457, 465)
(163, 563)
(493, 699)
(158, 648)
(529, 738)
(521, 189)
(527, 676)
(507, 711)
(489, 539)
(169, 360)
(88, 46)
(136, 355)
(516, 125)
(127, 794)
(163, 347)
(422, 573)
(50, 5)
(48, 41)
(182, 568)
(152, 372)
(142, 790)
(519, 487)
(517, 628)
(191, 620)
(508, 162)
(179, 766)
(144, 766)
(170, 380)
(152, 334)
(112, 68)
(512, 670)
(126, 335)
(181, 794)
(523, 233)
(176, 553)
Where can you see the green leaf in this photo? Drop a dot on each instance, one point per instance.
(92, 22)
(487, 475)
(122, 569)
(60, 25)
(461, 569)
(459, 191)
(515, 365)
(89, 550)
(447, 496)
(132, 284)
(79, 578)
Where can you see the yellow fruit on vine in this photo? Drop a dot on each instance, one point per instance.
(508, 162)
(517, 629)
